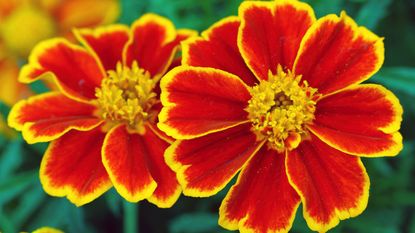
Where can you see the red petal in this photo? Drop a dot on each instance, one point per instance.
(168, 189)
(124, 157)
(75, 70)
(333, 185)
(48, 116)
(152, 44)
(153, 127)
(336, 53)
(271, 32)
(262, 200)
(72, 167)
(106, 42)
(362, 120)
(137, 169)
(184, 34)
(198, 101)
(205, 165)
(217, 48)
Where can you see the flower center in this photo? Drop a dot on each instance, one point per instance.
(280, 108)
(127, 96)
(25, 27)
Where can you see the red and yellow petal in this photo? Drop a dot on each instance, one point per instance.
(151, 44)
(168, 189)
(153, 127)
(262, 200)
(107, 43)
(198, 101)
(217, 48)
(72, 167)
(74, 70)
(271, 32)
(85, 13)
(328, 68)
(182, 35)
(363, 120)
(205, 165)
(125, 159)
(137, 168)
(48, 116)
(332, 185)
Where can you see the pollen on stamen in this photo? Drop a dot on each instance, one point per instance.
(280, 108)
(127, 96)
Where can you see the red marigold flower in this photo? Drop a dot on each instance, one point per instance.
(276, 94)
(102, 121)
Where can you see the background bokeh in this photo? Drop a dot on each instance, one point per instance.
(24, 206)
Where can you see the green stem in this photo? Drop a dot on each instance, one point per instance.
(130, 217)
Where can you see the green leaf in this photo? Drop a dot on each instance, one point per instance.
(11, 158)
(29, 202)
(3, 141)
(131, 10)
(4, 109)
(114, 201)
(75, 221)
(39, 148)
(323, 7)
(15, 185)
(403, 175)
(372, 12)
(299, 224)
(401, 79)
(412, 224)
(53, 213)
(195, 223)
(6, 224)
(376, 220)
(39, 87)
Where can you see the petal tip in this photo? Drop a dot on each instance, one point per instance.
(167, 202)
(159, 20)
(133, 193)
(140, 195)
(356, 207)
(67, 191)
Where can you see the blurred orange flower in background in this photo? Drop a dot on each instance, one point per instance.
(23, 23)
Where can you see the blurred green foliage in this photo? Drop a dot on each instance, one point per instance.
(24, 206)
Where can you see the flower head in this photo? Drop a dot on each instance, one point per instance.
(276, 95)
(102, 120)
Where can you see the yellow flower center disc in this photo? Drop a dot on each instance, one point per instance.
(126, 96)
(280, 108)
(25, 27)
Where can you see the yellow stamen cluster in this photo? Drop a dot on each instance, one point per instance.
(126, 96)
(280, 108)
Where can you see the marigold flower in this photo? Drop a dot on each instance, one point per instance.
(276, 94)
(24, 23)
(102, 121)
